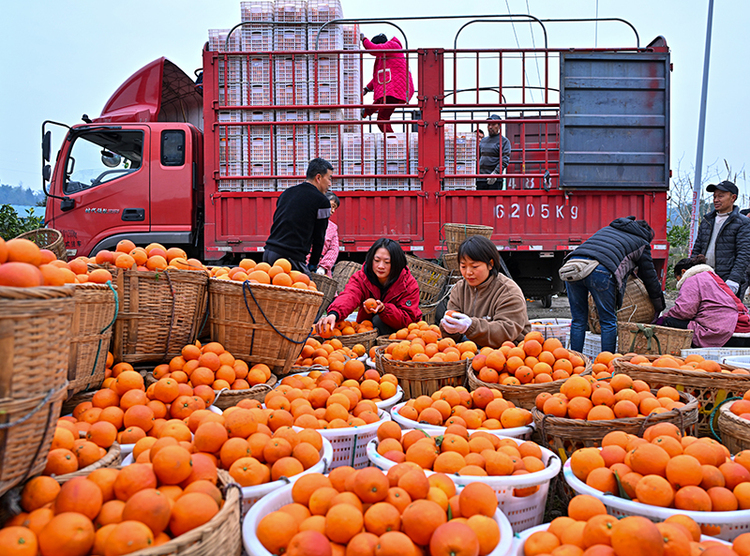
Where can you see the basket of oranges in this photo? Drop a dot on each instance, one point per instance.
(586, 409)
(734, 425)
(351, 333)
(708, 381)
(522, 372)
(266, 317)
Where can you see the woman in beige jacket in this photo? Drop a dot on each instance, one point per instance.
(489, 308)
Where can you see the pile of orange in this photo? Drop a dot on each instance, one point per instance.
(280, 274)
(479, 453)
(212, 366)
(533, 361)
(484, 408)
(693, 362)
(423, 350)
(585, 397)
(430, 333)
(330, 400)
(331, 353)
(741, 408)
(255, 445)
(347, 328)
(154, 256)
(403, 513)
(667, 469)
(113, 512)
(588, 530)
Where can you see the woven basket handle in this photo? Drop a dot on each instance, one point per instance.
(713, 413)
(649, 332)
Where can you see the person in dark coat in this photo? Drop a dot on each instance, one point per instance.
(494, 155)
(724, 238)
(619, 249)
(385, 278)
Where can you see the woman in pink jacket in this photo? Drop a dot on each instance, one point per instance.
(331, 244)
(706, 306)
(391, 79)
(385, 278)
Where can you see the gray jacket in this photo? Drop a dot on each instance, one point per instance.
(489, 154)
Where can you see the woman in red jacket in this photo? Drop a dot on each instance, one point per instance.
(385, 278)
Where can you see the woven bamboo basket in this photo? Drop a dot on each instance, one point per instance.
(70, 404)
(450, 261)
(710, 389)
(47, 238)
(385, 340)
(95, 310)
(342, 271)
(112, 459)
(651, 339)
(636, 306)
(455, 234)
(159, 312)
(260, 323)
(367, 339)
(328, 287)
(230, 398)
(565, 436)
(422, 379)
(430, 277)
(524, 395)
(35, 326)
(734, 430)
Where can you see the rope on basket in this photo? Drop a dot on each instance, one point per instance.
(103, 330)
(713, 412)
(171, 317)
(648, 333)
(245, 288)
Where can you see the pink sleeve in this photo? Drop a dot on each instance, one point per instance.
(330, 248)
(687, 304)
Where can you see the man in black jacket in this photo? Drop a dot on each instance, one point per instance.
(724, 238)
(492, 158)
(301, 219)
(619, 249)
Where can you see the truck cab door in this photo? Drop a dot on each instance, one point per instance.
(106, 177)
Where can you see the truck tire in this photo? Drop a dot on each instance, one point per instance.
(547, 301)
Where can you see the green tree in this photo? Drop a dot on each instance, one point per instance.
(12, 225)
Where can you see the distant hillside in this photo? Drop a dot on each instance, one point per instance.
(18, 195)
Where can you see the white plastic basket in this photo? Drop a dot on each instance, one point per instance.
(522, 511)
(517, 432)
(520, 539)
(592, 345)
(350, 443)
(719, 354)
(742, 361)
(283, 496)
(732, 524)
(554, 328)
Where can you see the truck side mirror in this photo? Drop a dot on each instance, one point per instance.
(46, 146)
(67, 204)
(46, 172)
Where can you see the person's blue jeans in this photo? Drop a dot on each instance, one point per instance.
(603, 288)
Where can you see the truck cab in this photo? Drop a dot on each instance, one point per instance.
(135, 172)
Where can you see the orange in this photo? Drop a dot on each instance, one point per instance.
(192, 510)
(71, 530)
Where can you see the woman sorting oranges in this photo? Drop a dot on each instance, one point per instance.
(486, 306)
(383, 291)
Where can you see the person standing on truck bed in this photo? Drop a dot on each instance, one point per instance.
(601, 266)
(301, 218)
(493, 160)
(391, 79)
(724, 238)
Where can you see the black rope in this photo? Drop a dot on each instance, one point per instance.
(171, 318)
(246, 286)
(103, 330)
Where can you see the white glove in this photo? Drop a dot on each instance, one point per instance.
(361, 37)
(734, 286)
(321, 271)
(458, 323)
(491, 181)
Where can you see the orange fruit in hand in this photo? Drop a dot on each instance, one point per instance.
(370, 304)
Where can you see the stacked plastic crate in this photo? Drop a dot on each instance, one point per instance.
(292, 147)
(391, 158)
(351, 75)
(290, 35)
(460, 158)
(359, 154)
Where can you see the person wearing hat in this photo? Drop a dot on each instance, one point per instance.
(493, 159)
(724, 238)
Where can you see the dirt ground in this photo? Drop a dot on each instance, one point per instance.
(561, 309)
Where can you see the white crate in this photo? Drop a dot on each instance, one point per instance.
(357, 167)
(462, 146)
(233, 94)
(217, 39)
(290, 148)
(351, 36)
(289, 38)
(291, 116)
(290, 10)
(290, 68)
(230, 71)
(237, 116)
(233, 168)
(459, 184)
(258, 94)
(395, 184)
(326, 115)
(260, 185)
(359, 147)
(392, 146)
(231, 185)
(351, 85)
(391, 167)
(324, 146)
(321, 94)
(592, 345)
(260, 147)
(256, 10)
(298, 168)
(281, 185)
(324, 68)
(258, 70)
(458, 168)
(328, 38)
(232, 148)
(320, 11)
(717, 354)
(289, 94)
(358, 184)
(257, 38)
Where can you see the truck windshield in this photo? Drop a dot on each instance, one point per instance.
(102, 156)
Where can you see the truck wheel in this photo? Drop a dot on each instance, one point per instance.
(547, 301)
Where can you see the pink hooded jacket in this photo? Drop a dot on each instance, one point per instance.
(391, 72)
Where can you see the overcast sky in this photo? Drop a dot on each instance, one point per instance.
(63, 59)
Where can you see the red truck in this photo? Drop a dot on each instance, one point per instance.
(200, 165)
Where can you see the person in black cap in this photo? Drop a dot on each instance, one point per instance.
(493, 160)
(724, 238)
